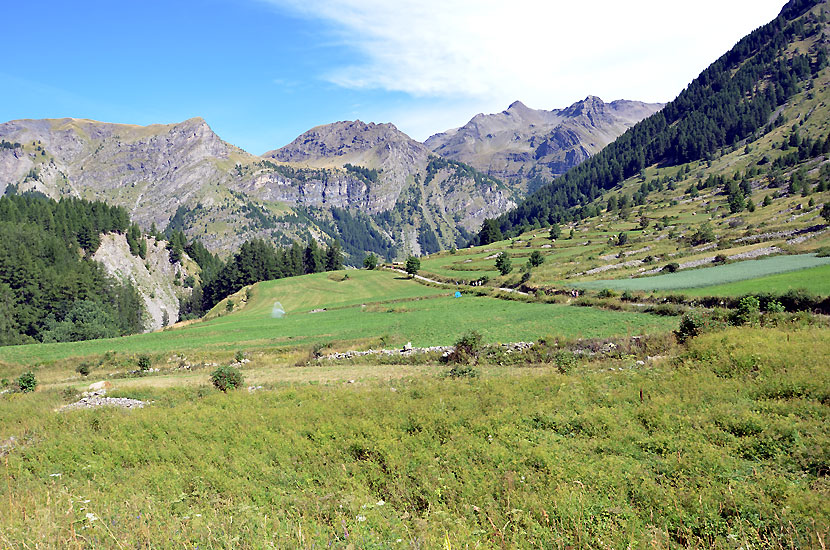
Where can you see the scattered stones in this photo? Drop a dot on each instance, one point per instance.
(252, 389)
(90, 400)
(408, 350)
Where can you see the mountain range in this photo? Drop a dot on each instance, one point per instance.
(370, 185)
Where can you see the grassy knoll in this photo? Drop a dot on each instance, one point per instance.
(816, 280)
(728, 447)
(368, 305)
(717, 275)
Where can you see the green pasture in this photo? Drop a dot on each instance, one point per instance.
(724, 446)
(710, 276)
(367, 305)
(815, 280)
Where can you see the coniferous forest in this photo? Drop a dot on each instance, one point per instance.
(50, 288)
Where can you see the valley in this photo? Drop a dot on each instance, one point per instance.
(603, 326)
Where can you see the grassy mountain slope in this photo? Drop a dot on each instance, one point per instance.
(733, 102)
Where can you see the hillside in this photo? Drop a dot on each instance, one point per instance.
(422, 202)
(735, 102)
(527, 147)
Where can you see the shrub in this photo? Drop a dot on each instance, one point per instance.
(239, 356)
(226, 378)
(83, 369)
(691, 325)
(774, 306)
(748, 311)
(622, 239)
(467, 348)
(144, 362)
(606, 293)
(565, 361)
(823, 252)
(27, 382)
(370, 261)
(671, 267)
(461, 370)
(627, 296)
(536, 259)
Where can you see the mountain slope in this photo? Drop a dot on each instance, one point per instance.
(525, 146)
(185, 175)
(422, 202)
(733, 101)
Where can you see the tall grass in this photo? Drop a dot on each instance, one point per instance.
(724, 446)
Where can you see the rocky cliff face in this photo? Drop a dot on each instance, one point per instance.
(225, 195)
(153, 277)
(416, 193)
(522, 145)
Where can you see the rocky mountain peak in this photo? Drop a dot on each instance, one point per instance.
(521, 141)
(344, 139)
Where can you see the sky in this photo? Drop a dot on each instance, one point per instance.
(261, 72)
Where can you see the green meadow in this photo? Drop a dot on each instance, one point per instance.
(721, 274)
(367, 306)
(815, 280)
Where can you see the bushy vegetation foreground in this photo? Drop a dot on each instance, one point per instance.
(721, 444)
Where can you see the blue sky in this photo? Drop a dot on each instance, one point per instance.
(263, 71)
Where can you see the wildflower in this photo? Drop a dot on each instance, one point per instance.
(361, 518)
(91, 517)
(381, 502)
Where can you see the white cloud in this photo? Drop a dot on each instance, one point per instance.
(543, 52)
(487, 53)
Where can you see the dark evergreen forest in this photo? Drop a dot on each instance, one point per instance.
(50, 288)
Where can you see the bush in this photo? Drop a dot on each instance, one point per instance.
(226, 378)
(671, 267)
(565, 361)
(606, 293)
(27, 382)
(536, 259)
(144, 362)
(774, 306)
(748, 311)
(691, 325)
(463, 371)
(370, 261)
(467, 348)
(83, 369)
(622, 239)
(239, 356)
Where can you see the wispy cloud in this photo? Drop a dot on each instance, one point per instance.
(546, 53)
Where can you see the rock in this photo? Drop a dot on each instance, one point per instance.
(102, 385)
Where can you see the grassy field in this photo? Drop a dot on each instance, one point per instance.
(720, 275)
(816, 280)
(724, 445)
(370, 307)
